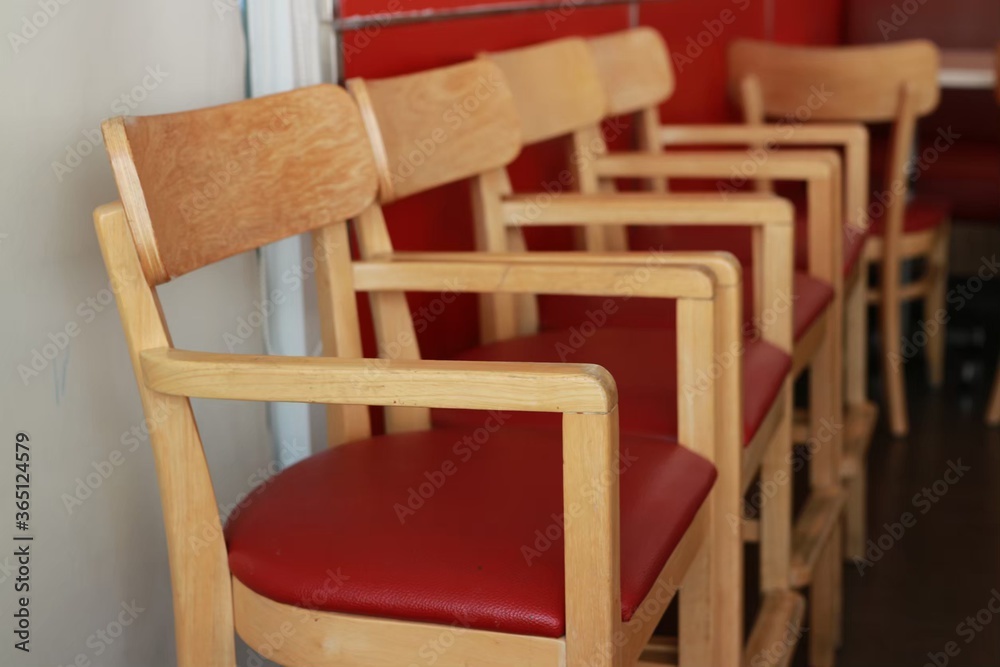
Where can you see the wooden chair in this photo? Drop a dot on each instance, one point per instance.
(637, 73)
(895, 83)
(993, 407)
(319, 567)
(567, 103)
(752, 399)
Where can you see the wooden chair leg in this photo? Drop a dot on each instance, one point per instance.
(776, 514)
(893, 363)
(824, 604)
(695, 636)
(856, 400)
(934, 305)
(825, 405)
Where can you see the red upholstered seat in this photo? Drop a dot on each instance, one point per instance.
(644, 365)
(444, 527)
(922, 214)
(811, 297)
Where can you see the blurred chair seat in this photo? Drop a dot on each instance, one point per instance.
(643, 363)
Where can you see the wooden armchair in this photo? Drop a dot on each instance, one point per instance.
(320, 567)
(637, 73)
(892, 83)
(752, 390)
(559, 93)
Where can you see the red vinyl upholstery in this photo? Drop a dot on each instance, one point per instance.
(810, 295)
(644, 365)
(445, 527)
(922, 214)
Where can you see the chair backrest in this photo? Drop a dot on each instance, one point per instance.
(847, 83)
(196, 187)
(201, 186)
(555, 86)
(895, 83)
(459, 121)
(635, 69)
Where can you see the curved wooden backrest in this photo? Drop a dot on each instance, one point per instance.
(850, 83)
(200, 186)
(635, 69)
(996, 84)
(438, 126)
(556, 88)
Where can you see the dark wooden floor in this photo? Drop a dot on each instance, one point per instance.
(927, 588)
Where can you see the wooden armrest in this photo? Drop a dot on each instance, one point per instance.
(797, 165)
(723, 265)
(474, 385)
(484, 275)
(774, 134)
(648, 208)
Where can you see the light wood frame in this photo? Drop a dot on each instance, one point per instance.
(595, 170)
(896, 83)
(500, 216)
(209, 603)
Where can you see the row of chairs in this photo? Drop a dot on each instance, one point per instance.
(627, 423)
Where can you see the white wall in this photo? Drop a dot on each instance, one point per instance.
(55, 88)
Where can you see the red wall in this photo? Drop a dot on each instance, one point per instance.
(696, 30)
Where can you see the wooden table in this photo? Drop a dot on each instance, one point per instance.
(971, 69)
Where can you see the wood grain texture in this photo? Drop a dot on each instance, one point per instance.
(431, 384)
(207, 184)
(199, 567)
(546, 108)
(363, 641)
(635, 69)
(439, 126)
(857, 83)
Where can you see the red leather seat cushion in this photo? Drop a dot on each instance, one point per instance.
(922, 214)
(481, 548)
(811, 297)
(644, 365)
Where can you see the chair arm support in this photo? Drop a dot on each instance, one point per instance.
(798, 165)
(485, 275)
(841, 135)
(723, 266)
(647, 208)
(530, 387)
